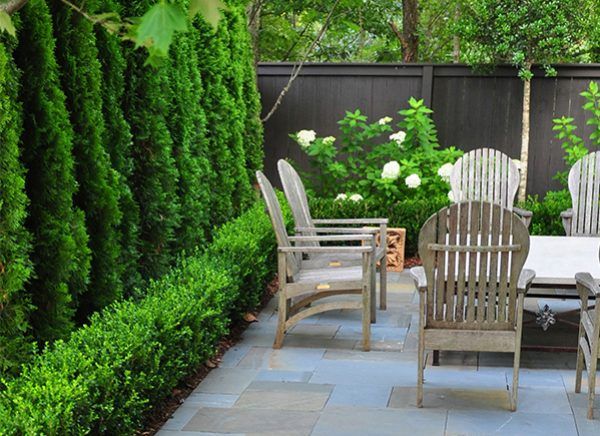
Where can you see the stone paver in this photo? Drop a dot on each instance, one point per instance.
(322, 383)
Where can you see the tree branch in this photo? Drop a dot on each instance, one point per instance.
(12, 6)
(297, 68)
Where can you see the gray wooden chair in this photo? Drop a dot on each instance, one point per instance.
(583, 219)
(589, 337)
(472, 283)
(300, 286)
(486, 174)
(306, 225)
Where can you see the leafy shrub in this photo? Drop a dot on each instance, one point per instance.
(546, 213)
(110, 373)
(374, 162)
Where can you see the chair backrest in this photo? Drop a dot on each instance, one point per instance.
(296, 196)
(274, 210)
(473, 254)
(584, 181)
(485, 174)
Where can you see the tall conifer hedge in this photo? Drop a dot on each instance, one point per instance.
(60, 253)
(15, 268)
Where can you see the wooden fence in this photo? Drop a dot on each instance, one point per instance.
(471, 109)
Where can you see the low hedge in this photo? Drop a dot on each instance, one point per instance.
(109, 374)
(412, 214)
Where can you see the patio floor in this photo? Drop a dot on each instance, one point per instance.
(321, 383)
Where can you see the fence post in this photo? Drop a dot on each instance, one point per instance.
(427, 85)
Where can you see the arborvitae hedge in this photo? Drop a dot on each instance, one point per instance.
(98, 182)
(15, 269)
(118, 140)
(60, 254)
(188, 126)
(155, 177)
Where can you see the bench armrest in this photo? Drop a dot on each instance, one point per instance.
(348, 221)
(419, 277)
(525, 280)
(344, 230)
(567, 216)
(585, 281)
(525, 215)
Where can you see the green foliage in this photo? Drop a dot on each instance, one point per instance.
(155, 176)
(118, 142)
(188, 127)
(534, 31)
(60, 254)
(110, 373)
(6, 24)
(98, 190)
(546, 213)
(15, 267)
(378, 164)
(574, 146)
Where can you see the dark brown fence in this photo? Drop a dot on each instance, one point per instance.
(471, 110)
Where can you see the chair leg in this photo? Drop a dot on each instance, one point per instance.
(579, 369)
(383, 283)
(592, 385)
(366, 318)
(281, 319)
(515, 382)
(420, 370)
(373, 290)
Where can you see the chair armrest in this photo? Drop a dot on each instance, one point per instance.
(586, 281)
(348, 221)
(419, 277)
(365, 249)
(525, 215)
(331, 238)
(567, 216)
(525, 280)
(344, 230)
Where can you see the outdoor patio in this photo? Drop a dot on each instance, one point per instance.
(322, 383)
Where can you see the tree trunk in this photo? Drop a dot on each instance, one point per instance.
(253, 12)
(12, 6)
(410, 25)
(525, 138)
(455, 38)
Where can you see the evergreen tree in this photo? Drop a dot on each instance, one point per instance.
(98, 193)
(187, 124)
(155, 176)
(60, 254)
(118, 141)
(15, 268)
(218, 107)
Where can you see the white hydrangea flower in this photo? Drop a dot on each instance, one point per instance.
(306, 137)
(398, 137)
(391, 170)
(413, 181)
(329, 140)
(384, 120)
(518, 164)
(341, 197)
(451, 196)
(356, 197)
(445, 170)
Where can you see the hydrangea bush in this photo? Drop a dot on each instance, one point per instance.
(376, 160)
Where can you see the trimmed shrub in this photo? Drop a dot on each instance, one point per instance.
(98, 193)
(15, 268)
(110, 373)
(187, 124)
(118, 140)
(155, 177)
(60, 253)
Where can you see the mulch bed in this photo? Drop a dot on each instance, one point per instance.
(165, 409)
(412, 261)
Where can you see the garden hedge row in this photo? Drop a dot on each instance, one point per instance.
(110, 373)
(412, 214)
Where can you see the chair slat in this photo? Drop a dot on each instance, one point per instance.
(584, 187)
(440, 285)
(451, 280)
(493, 285)
(463, 223)
(483, 262)
(473, 233)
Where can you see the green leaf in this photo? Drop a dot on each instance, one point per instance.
(158, 25)
(6, 24)
(209, 9)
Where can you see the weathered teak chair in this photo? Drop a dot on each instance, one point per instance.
(299, 286)
(486, 174)
(583, 219)
(472, 283)
(306, 225)
(589, 337)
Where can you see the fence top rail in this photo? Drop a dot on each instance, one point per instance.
(416, 70)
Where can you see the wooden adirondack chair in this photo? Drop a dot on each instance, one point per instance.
(306, 225)
(589, 337)
(472, 283)
(583, 219)
(486, 174)
(299, 286)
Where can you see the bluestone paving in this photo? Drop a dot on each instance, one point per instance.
(322, 383)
